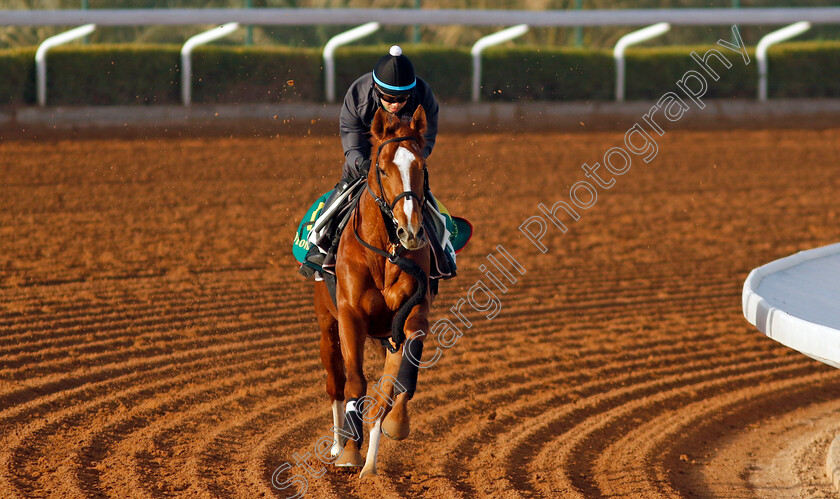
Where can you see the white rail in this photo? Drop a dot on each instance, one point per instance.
(765, 43)
(489, 41)
(329, 53)
(186, 55)
(41, 56)
(626, 41)
(405, 17)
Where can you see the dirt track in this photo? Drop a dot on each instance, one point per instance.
(155, 339)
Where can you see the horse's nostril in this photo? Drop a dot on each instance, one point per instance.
(420, 233)
(401, 232)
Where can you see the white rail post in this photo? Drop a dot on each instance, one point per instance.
(766, 41)
(489, 41)
(627, 40)
(186, 55)
(41, 56)
(329, 53)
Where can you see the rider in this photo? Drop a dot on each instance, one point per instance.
(393, 87)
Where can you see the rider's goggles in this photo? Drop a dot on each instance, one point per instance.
(391, 99)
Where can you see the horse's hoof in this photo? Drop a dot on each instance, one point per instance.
(396, 428)
(396, 431)
(350, 456)
(395, 425)
(367, 472)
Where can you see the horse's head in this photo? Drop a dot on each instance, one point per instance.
(398, 171)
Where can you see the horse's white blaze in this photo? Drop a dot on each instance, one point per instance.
(373, 448)
(338, 423)
(403, 159)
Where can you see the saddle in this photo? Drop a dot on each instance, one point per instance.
(323, 227)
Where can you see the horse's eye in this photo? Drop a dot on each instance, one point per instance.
(382, 172)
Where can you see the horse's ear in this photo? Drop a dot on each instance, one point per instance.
(383, 124)
(377, 128)
(418, 121)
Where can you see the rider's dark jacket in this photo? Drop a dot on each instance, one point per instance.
(361, 103)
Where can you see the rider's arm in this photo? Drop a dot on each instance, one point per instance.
(430, 105)
(354, 135)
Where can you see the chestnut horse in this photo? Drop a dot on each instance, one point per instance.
(381, 292)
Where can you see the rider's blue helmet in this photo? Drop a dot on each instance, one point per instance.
(394, 73)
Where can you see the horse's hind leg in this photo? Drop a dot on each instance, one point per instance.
(334, 365)
(353, 333)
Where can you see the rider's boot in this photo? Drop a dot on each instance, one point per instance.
(314, 260)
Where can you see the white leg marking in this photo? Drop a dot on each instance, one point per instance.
(373, 449)
(338, 422)
(403, 159)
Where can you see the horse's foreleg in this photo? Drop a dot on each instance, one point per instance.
(338, 424)
(396, 424)
(373, 450)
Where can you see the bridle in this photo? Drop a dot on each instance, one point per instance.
(396, 248)
(387, 208)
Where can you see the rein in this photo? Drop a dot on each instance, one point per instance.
(395, 256)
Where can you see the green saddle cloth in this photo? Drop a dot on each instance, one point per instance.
(460, 230)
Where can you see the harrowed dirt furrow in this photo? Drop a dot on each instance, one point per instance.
(583, 442)
(493, 341)
(775, 456)
(231, 459)
(159, 451)
(147, 339)
(141, 341)
(53, 330)
(537, 326)
(46, 387)
(659, 450)
(35, 331)
(517, 306)
(432, 431)
(607, 304)
(140, 394)
(627, 334)
(733, 415)
(464, 411)
(528, 387)
(543, 292)
(40, 399)
(560, 434)
(132, 385)
(578, 404)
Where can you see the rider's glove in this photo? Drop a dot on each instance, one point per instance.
(364, 167)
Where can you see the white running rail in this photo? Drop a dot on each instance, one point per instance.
(41, 56)
(626, 41)
(329, 53)
(766, 42)
(439, 17)
(489, 41)
(186, 55)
